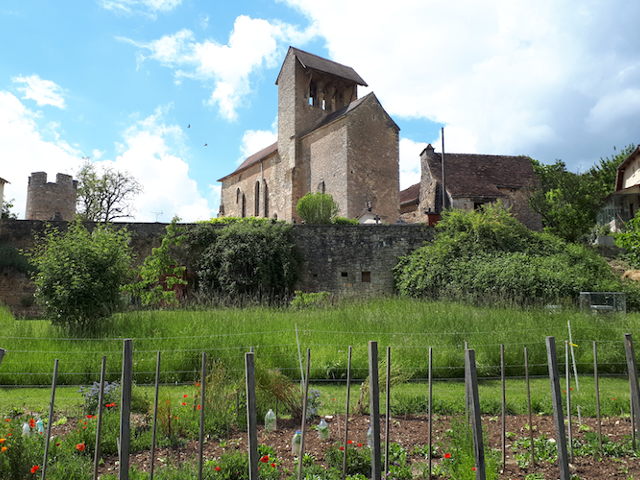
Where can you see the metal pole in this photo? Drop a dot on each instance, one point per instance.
(2, 352)
(568, 383)
(53, 397)
(300, 360)
(346, 417)
(504, 408)
(471, 379)
(96, 456)
(444, 189)
(573, 357)
(633, 377)
(155, 418)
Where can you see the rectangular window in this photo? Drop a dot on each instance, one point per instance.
(366, 277)
(344, 274)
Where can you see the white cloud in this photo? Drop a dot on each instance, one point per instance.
(97, 154)
(255, 140)
(146, 7)
(535, 77)
(44, 92)
(24, 150)
(253, 44)
(410, 162)
(152, 151)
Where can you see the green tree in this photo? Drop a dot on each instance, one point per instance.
(80, 274)
(107, 196)
(161, 272)
(7, 205)
(317, 208)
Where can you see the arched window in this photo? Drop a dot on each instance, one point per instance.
(256, 210)
(243, 212)
(237, 196)
(265, 190)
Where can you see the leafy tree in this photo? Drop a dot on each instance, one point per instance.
(259, 259)
(317, 208)
(7, 205)
(569, 202)
(81, 274)
(107, 196)
(161, 272)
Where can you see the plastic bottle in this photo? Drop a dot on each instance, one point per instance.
(295, 443)
(370, 437)
(26, 430)
(270, 421)
(323, 430)
(40, 426)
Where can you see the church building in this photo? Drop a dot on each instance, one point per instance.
(329, 140)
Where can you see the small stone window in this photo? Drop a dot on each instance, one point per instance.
(366, 277)
(344, 274)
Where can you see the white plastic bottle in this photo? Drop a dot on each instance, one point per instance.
(295, 443)
(323, 430)
(26, 430)
(270, 421)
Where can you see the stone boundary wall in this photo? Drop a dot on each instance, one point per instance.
(345, 260)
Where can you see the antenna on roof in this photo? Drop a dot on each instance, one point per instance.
(157, 214)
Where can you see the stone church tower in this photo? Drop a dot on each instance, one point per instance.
(329, 140)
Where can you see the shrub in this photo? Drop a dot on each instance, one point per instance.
(254, 259)
(81, 275)
(317, 208)
(345, 221)
(487, 255)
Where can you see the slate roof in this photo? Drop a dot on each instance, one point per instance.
(309, 60)
(472, 175)
(410, 195)
(256, 157)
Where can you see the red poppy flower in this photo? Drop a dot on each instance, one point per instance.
(80, 447)
(349, 442)
(359, 444)
(273, 465)
(613, 399)
(447, 455)
(7, 419)
(184, 403)
(32, 423)
(89, 417)
(57, 444)
(217, 468)
(265, 459)
(473, 468)
(198, 384)
(341, 448)
(35, 468)
(4, 449)
(198, 407)
(186, 396)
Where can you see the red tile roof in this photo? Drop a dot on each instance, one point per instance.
(256, 157)
(410, 195)
(309, 60)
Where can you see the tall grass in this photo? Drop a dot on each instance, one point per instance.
(408, 326)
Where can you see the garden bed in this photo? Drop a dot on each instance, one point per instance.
(411, 431)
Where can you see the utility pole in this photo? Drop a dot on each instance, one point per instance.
(444, 189)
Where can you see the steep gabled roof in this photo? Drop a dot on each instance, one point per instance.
(472, 175)
(623, 166)
(255, 158)
(410, 195)
(309, 60)
(332, 117)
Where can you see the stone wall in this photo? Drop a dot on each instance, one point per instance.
(345, 260)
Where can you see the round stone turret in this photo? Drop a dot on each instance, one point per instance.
(51, 201)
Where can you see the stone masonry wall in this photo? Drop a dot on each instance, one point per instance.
(345, 260)
(51, 201)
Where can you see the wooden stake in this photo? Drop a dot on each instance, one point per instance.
(96, 456)
(387, 412)
(504, 408)
(595, 377)
(430, 402)
(202, 402)
(471, 380)
(568, 387)
(125, 409)
(155, 418)
(304, 415)
(50, 422)
(346, 416)
(633, 377)
(526, 374)
(252, 417)
(374, 411)
(556, 398)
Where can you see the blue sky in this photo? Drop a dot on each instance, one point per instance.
(120, 81)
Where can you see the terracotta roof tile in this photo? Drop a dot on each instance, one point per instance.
(256, 157)
(410, 195)
(309, 60)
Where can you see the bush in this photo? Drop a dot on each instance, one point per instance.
(81, 275)
(317, 208)
(345, 221)
(251, 259)
(487, 255)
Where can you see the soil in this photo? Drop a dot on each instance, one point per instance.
(408, 431)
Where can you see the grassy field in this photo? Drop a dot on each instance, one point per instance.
(408, 326)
